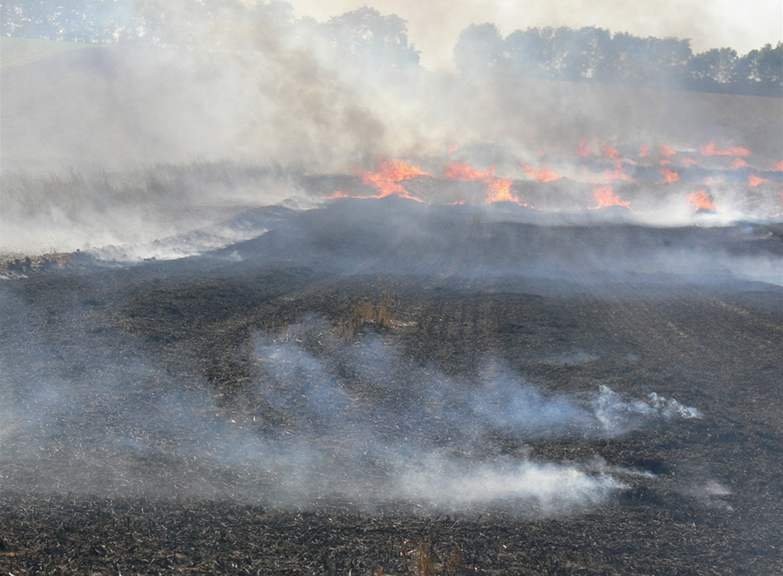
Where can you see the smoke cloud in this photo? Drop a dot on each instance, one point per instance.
(707, 24)
(358, 422)
(201, 112)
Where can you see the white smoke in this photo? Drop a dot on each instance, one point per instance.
(550, 488)
(360, 423)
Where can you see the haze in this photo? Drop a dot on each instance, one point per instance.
(434, 25)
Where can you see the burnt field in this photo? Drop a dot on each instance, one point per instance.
(379, 387)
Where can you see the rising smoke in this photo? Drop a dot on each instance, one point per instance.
(230, 87)
(325, 419)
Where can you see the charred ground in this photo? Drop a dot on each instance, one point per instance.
(555, 305)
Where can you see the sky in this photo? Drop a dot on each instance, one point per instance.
(434, 25)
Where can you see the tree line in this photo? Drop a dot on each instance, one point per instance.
(596, 55)
(380, 43)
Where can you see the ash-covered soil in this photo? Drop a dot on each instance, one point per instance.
(304, 404)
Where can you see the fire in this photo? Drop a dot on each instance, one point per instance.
(670, 176)
(618, 174)
(338, 195)
(466, 173)
(644, 151)
(702, 200)
(756, 181)
(712, 150)
(584, 150)
(388, 177)
(739, 164)
(399, 171)
(687, 162)
(667, 151)
(542, 175)
(605, 198)
(611, 152)
(664, 162)
(778, 167)
(499, 190)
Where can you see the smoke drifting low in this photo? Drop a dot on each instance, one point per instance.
(155, 134)
(326, 419)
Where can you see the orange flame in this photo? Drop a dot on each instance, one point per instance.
(778, 167)
(388, 177)
(499, 190)
(618, 174)
(667, 151)
(584, 150)
(467, 173)
(542, 175)
(712, 150)
(702, 200)
(739, 164)
(644, 151)
(756, 181)
(605, 198)
(611, 152)
(670, 176)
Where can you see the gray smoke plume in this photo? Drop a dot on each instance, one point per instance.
(359, 423)
(237, 87)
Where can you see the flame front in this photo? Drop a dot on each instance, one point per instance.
(388, 177)
(756, 181)
(702, 200)
(606, 198)
(612, 153)
(466, 173)
(736, 151)
(542, 175)
(584, 150)
(499, 190)
(670, 176)
(618, 174)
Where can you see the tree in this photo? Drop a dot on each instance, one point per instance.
(528, 53)
(770, 67)
(365, 34)
(479, 50)
(714, 68)
(651, 60)
(585, 54)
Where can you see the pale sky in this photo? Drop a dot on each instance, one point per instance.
(435, 24)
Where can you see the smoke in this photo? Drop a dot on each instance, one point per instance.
(707, 24)
(214, 86)
(553, 488)
(207, 110)
(325, 419)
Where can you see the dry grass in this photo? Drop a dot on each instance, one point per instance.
(379, 314)
(26, 264)
(424, 562)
